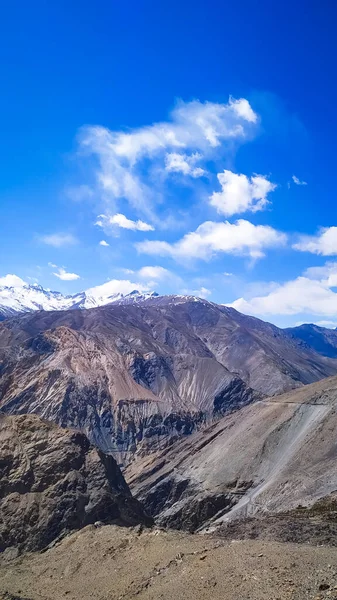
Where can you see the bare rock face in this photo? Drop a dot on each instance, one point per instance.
(270, 457)
(136, 378)
(52, 481)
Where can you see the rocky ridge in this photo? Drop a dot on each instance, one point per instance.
(52, 482)
(137, 377)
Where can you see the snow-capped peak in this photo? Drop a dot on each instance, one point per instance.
(22, 297)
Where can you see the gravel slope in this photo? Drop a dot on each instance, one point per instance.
(111, 563)
(267, 458)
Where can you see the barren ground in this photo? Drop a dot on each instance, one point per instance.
(110, 562)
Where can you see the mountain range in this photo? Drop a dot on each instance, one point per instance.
(139, 373)
(206, 410)
(29, 298)
(23, 297)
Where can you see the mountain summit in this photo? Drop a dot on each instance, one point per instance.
(22, 298)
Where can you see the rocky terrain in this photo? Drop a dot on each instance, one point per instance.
(52, 482)
(315, 524)
(270, 457)
(113, 563)
(136, 377)
(187, 390)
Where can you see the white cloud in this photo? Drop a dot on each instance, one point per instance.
(12, 281)
(327, 274)
(301, 295)
(111, 222)
(59, 239)
(154, 275)
(243, 109)
(312, 294)
(211, 238)
(127, 271)
(116, 286)
(240, 193)
(158, 273)
(200, 293)
(104, 243)
(64, 275)
(195, 125)
(324, 243)
(297, 181)
(183, 163)
(125, 161)
(328, 324)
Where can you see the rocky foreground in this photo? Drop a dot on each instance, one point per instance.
(114, 563)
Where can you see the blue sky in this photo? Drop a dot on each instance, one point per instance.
(195, 139)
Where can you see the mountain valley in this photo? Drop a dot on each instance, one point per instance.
(224, 425)
(53, 487)
(135, 377)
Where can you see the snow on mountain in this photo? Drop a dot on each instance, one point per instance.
(28, 298)
(19, 297)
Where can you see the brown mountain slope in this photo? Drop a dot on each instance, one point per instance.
(267, 458)
(139, 376)
(52, 481)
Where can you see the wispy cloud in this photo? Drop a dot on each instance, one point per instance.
(104, 243)
(111, 223)
(324, 243)
(211, 238)
(297, 181)
(127, 163)
(155, 272)
(127, 271)
(328, 324)
(182, 163)
(64, 275)
(79, 193)
(57, 240)
(156, 275)
(202, 292)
